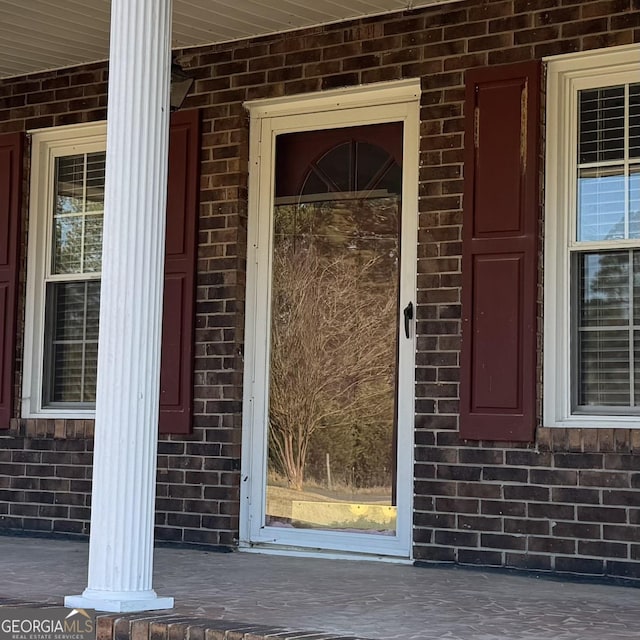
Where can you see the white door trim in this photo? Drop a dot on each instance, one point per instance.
(387, 102)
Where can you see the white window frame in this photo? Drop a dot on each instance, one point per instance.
(396, 101)
(566, 76)
(46, 146)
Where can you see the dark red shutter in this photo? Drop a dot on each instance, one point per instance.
(176, 373)
(10, 205)
(499, 261)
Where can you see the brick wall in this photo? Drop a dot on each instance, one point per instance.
(568, 503)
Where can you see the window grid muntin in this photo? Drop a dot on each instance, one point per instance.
(99, 157)
(598, 112)
(627, 162)
(578, 247)
(51, 342)
(51, 279)
(628, 327)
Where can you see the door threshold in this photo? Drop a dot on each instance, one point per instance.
(298, 552)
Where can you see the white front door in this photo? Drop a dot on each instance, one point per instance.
(330, 331)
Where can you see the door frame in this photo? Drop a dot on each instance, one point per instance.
(397, 101)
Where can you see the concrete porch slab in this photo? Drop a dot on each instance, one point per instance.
(242, 596)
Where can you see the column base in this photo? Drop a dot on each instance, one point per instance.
(118, 601)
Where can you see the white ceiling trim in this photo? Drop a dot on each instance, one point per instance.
(56, 34)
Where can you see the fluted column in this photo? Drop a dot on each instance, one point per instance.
(126, 429)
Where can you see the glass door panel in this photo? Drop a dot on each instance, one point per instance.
(331, 459)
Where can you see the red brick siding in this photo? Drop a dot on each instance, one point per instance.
(569, 502)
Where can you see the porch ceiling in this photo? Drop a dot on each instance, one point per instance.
(37, 35)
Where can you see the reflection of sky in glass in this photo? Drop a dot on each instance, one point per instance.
(601, 206)
(68, 204)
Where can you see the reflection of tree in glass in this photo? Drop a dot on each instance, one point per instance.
(605, 278)
(78, 244)
(363, 226)
(603, 348)
(68, 244)
(604, 281)
(333, 340)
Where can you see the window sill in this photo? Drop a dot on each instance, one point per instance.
(578, 421)
(60, 414)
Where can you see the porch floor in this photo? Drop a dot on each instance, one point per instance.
(341, 598)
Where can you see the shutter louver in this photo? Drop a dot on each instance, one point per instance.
(10, 207)
(499, 264)
(176, 373)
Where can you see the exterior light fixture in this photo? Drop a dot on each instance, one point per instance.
(180, 85)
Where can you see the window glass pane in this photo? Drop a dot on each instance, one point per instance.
(90, 371)
(337, 166)
(95, 181)
(603, 327)
(391, 181)
(606, 284)
(71, 341)
(604, 289)
(371, 164)
(92, 258)
(601, 204)
(67, 244)
(93, 310)
(67, 365)
(68, 304)
(601, 124)
(634, 201)
(634, 121)
(78, 212)
(636, 368)
(333, 349)
(69, 184)
(636, 287)
(314, 184)
(604, 368)
(341, 161)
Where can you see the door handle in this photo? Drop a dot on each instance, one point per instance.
(408, 317)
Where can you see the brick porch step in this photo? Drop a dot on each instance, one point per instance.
(170, 626)
(175, 627)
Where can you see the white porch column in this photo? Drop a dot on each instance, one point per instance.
(126, 430)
